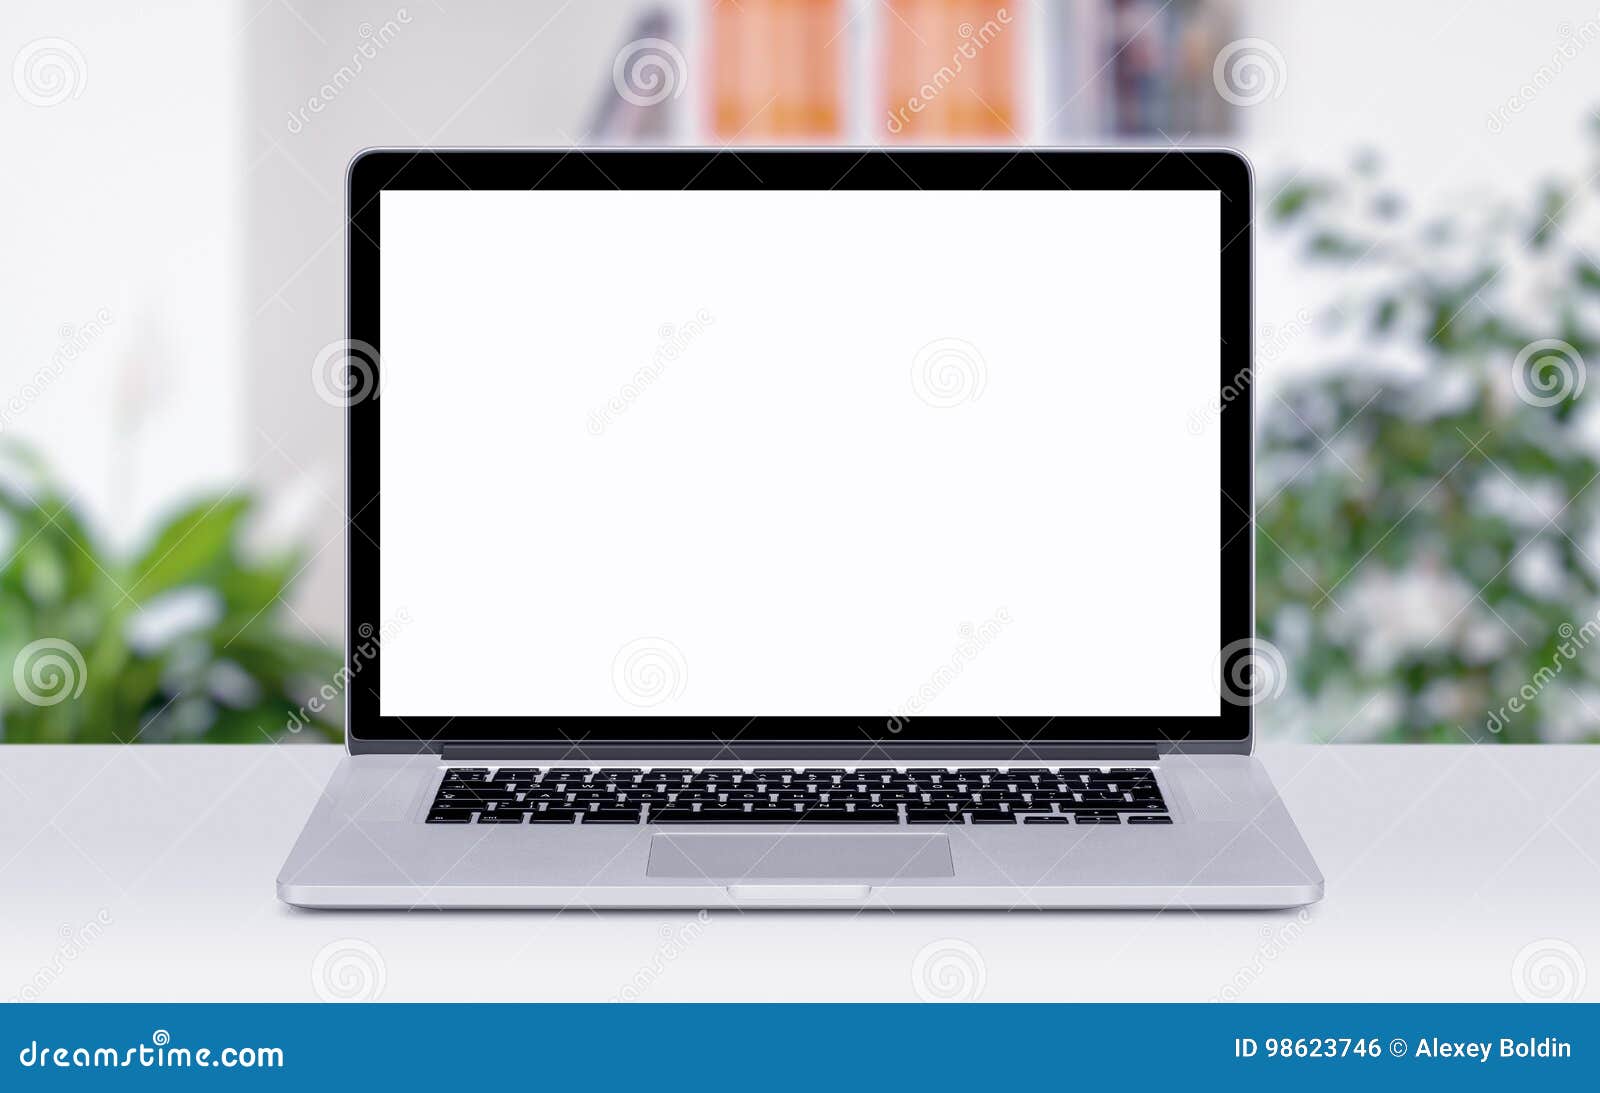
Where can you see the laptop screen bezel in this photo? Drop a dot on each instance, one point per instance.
(1220, 170)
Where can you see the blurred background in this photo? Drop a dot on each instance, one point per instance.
(171, 524)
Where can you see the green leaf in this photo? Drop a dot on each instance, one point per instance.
(194, 545)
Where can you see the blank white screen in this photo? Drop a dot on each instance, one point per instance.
(663, 452)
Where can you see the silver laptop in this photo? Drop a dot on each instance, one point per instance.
(823, 528)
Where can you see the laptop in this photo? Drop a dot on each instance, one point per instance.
(800, 529)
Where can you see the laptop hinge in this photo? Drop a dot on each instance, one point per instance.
(809, 751)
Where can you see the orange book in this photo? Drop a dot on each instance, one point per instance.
(950, 71)
(776, 70)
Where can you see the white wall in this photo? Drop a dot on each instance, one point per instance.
(470, 72)
(1418, 83)
(172, 193)
(119, 211)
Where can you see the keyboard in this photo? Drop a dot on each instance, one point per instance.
(882, 796)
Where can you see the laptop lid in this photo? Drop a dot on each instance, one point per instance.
(810, 452)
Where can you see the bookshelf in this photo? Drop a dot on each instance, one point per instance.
(889, 72)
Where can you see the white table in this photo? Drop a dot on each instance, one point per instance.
(1452, 871)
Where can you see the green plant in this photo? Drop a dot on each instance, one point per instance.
(184, 640)
(1426, 520)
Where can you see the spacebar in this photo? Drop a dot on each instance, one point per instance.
(814, 816)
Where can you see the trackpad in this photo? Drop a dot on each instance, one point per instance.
(800, 854)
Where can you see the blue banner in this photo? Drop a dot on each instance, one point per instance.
(795, 1047)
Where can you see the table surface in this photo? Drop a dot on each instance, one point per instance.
(1466, 873)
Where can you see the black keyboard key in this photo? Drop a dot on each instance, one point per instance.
(1149, 819)
(438, 816)
(992, 816)
(826, 814)
(468, 774)
(507, 816)
(612, 816)
(463, 804)
(1045, 820)
(933, 816)
(1098, 818)
(555, 816)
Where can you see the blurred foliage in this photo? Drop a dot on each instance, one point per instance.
(1426, 541)
(183, 641)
